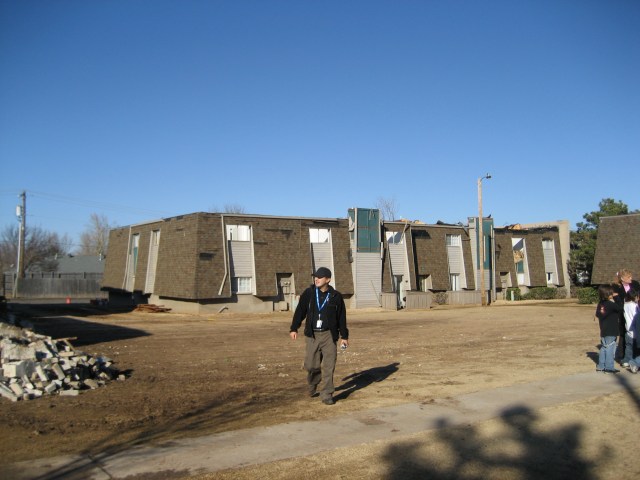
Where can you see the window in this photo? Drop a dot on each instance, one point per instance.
(241, 285)
(395, 238)
(241, 233)
(454, 240)
(319, 235)
(550, 278)
(547, 244)
(135, 243)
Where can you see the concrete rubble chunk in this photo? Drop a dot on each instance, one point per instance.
(6, 392)
(12, 350)
(17, 389)
(34, 365)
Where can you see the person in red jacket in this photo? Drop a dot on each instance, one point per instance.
(326, 322)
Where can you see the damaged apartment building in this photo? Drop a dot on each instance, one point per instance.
(213, 262)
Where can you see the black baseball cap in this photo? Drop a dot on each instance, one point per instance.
(322, 272)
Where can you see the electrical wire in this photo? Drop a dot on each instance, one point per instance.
(94, 204)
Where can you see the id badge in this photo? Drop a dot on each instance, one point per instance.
(319, 323)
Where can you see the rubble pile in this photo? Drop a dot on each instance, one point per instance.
(34, 365)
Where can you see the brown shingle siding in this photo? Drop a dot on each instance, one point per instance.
(616, 248)
(116, 263)
(431, 254)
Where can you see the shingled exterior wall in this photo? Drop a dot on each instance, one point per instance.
(535, 255)
(193, 260)
(430, 247)
(192, 255)
(116, 262)
(616, 248)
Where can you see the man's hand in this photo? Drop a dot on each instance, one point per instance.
(344, 342)
(293, 335)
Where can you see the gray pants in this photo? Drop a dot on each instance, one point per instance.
(320, 362)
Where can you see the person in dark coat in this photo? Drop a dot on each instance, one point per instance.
(607, 313)
(326, 321)
(623, 283)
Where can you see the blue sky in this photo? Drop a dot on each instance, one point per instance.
(145, 109)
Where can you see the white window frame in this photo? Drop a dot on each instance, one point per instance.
(239, 233)
(453, 240)
(319, 235)
(242, 285)
(454, 281)
(395, 238)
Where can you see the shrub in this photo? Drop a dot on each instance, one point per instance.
(587, 295)
(440, 298)
(516, 294)
(541, 293)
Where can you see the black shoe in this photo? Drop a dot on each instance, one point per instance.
(611, 371)
(599, 370)
(328, 401)
(312, 391)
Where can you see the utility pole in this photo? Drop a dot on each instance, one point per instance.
(21, 212)
(483, 296)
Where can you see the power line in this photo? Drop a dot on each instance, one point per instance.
(94, 204)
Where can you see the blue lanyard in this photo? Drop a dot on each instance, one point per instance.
(320, 307)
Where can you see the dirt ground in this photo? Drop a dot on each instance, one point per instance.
(195, 375)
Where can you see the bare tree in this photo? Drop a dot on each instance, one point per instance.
(229, 208)
(388, 208)
(94, 240)
(41, 249)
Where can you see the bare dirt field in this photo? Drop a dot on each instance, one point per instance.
(191, 375)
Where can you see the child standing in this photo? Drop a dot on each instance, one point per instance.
(607, 312)
(630, 311)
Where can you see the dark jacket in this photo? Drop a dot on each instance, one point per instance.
(618, 288)
(334, 313)
(608, 313)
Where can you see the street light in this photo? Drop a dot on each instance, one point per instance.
(483, 296)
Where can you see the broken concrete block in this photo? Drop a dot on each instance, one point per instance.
(91, 383)
(16, 351)
(18, 369)
(6, 392)
(57, 369)
(69, 393)
(52, 387)
(41, 373)
(17, 389)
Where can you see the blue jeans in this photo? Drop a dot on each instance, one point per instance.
(628, 348)
(607, 353)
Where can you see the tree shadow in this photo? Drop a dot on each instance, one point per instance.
(630, 390)
(226, 408)
(359, 380)
(52, 320)
(523, 451)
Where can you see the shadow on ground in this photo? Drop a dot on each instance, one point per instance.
(363, 379)
(522, 451)
(58, 321)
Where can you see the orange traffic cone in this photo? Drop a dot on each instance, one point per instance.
(68, 299)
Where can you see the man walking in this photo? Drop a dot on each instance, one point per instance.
(326, 320)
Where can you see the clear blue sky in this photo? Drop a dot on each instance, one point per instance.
(145, 109)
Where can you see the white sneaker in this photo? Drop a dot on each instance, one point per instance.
(625, 364)
(633, 369)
